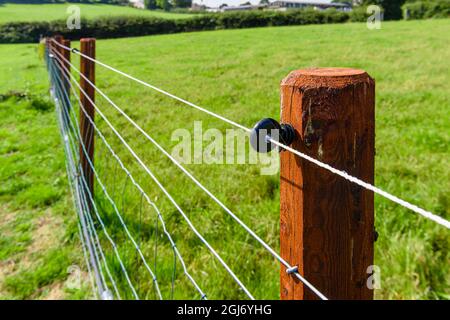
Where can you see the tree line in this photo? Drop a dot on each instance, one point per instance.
(167, 4)
(393, 9)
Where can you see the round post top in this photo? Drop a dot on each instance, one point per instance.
(325, 77)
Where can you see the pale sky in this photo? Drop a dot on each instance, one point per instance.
(216, 3)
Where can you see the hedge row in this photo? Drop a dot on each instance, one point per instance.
(116, 27)
(427, 9)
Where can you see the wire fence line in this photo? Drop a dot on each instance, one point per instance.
(290, 269)
(83, 208)
(199, 184)
(88, 217)
(81, 205)
(164, 190)
(427, 214)
(138, 186)
(70, 165)
(92, 201)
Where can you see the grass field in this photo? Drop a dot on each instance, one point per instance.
(47, 12)
(237, 74)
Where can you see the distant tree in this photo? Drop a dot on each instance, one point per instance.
(264, 2)
(248, 3)
(150, 4)
(392, 8)
(343, 1)
(163, 4)
(352, 2)
(182, 3)
(223, 5)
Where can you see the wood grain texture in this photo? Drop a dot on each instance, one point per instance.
(326, 222)
(87, 68)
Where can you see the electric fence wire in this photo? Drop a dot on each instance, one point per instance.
(138, 186)
(150, 173)
(213, 197)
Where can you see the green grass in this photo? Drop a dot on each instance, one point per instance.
(47, 12)
(237, 74)
(37, 227)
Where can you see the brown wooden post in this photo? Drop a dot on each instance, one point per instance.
(55, 50)
(326, 222)
(61, 85)
(87, 68)
(58, 38)
(66, 69)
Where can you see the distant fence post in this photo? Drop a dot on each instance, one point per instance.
(66, 63)
(326, 222)
(61, 85)
(87, 68)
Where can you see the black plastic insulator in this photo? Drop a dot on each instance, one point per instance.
(283, 133)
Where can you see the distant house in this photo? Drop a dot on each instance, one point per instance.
(137, 3)
(315, 4)
(280, 5)
(198, 7)
(243, 7)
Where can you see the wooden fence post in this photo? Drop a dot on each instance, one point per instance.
(66, 63)
(326, 222)
(55, 50)
(87, 68)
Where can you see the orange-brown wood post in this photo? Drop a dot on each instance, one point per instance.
(326, 222)
(87, 68)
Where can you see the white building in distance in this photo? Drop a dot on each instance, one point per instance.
(315, 4)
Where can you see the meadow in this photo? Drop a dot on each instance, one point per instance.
(10, 12)
(235, 73)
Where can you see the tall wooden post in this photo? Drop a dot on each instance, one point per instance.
(61, 85)
(87, 68)
(327, 223)
(66, 63)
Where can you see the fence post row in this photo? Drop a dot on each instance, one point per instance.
(62, 87)
(326, 222)
(87, 68)
(63, 84)
(66, 70)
